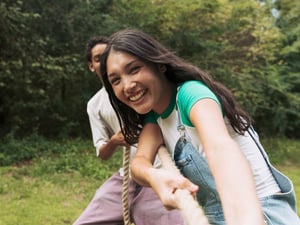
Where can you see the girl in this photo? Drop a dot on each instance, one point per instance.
(154, 92)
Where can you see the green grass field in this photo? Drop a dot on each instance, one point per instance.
(53, 189)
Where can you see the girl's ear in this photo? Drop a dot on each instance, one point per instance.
(162, 68)
(92, 69)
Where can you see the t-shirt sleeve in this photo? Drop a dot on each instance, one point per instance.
(151, 117)
(100, 133)
(191, 92)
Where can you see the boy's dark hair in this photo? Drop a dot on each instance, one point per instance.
(91, 44)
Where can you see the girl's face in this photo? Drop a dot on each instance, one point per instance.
(142, 86)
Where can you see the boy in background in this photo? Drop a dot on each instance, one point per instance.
(106, 205)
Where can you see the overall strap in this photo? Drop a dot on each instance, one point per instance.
(180, 126)
(251, 132)
(284, 183)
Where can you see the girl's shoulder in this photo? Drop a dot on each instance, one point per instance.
(189, 93)
(192, 84)
(193, 91)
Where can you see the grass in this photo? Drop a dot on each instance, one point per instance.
(30, 200)
(55, 187)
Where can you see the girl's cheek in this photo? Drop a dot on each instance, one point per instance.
(117, 92)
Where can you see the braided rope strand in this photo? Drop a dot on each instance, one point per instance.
(191, 212)
(125, 199)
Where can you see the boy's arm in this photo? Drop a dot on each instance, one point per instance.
(105, 143)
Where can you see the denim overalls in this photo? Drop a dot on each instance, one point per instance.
(279, 209)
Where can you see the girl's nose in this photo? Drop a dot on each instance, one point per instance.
(129, 85)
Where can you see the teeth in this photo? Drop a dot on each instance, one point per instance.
(137, 96)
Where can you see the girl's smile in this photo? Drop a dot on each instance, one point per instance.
(137, 96)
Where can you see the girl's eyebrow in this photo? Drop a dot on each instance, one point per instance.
(126, 67)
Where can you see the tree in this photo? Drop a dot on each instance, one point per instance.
(44, 83)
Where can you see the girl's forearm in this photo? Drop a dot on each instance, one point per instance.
(236, 186)
(142, 171)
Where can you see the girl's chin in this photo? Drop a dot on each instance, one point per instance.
(142, 110)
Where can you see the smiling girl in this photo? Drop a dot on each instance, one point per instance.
(154, 92)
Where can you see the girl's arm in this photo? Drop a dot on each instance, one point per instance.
(163, 182)
(230, 169)
(142, 164)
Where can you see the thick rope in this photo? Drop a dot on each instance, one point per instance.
(125, 199)
(191, 212)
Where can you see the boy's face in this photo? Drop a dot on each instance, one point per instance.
(97, 52)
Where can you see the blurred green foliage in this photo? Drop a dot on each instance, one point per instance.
(45, 84)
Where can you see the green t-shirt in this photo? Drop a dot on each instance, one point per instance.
(189, 93)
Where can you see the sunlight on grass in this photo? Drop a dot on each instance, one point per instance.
(44, 201)
(54, 188)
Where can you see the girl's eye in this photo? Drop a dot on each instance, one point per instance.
(114, 81)
(135, 69)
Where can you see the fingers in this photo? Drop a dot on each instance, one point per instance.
(171, 198)
(184, 183)
(167, 183)
(119, 139)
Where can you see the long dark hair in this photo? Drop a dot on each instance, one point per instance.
(146, 48)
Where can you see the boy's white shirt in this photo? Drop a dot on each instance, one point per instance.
(104, 122)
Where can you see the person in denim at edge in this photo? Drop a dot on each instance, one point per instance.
(106, 205)
(238, 185)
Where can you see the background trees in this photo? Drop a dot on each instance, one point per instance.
(44, 82)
